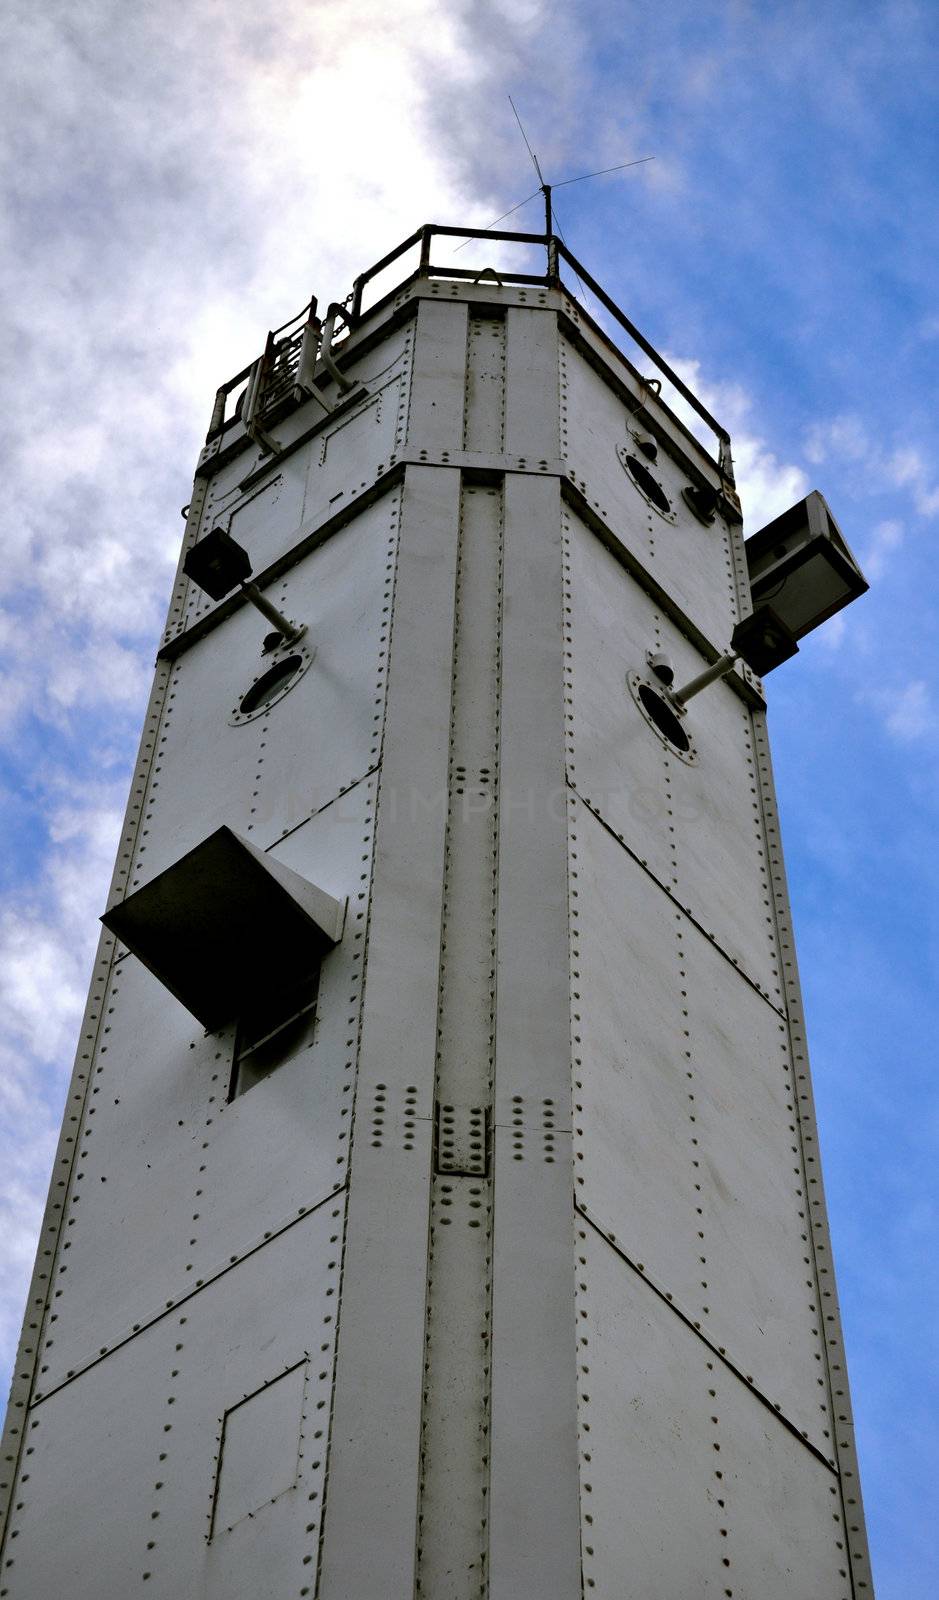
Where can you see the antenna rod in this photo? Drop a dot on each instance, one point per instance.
(604, 170)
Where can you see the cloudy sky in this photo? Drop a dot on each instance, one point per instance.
(180, 176)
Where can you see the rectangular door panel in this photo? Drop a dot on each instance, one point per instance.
(347, 456)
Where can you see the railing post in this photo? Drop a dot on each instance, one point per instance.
(554, 273)
(725, 460)
(426, 234)
(357, 286)
(218, 411)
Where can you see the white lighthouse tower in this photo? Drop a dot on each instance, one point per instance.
(438, 1209)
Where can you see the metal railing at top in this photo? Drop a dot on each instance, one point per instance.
(556, 251)
(292, 350)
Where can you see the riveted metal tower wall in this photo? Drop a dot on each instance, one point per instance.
(512, 1279)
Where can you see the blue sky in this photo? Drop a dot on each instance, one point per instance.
(179, 178)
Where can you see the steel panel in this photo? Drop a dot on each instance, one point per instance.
(690, 1485)
(722, 866)
(484, 411)
(453, 1517)
(171, 1184)
(266, 775)
(633, 1167)
(132, 1186)
(533, 1545)
(438, 384)
(266, 518)
(533, 1536)
(467, 976)
(685, 1128)
(138, 1436)
(762, 1298)
(614, 761)
(698, 827)
(371, 1517)
(453, 1514)
(693, 562)
(587, 340)
(299, 1116)
(352, 451)
(531, 397)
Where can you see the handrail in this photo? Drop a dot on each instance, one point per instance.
(581, 272)
(556, 251)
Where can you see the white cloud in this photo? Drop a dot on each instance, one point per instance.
(908, 470)
(767, 485)
(48, 932)
(844, 436)
(847, 438)
(833, 634)
(885, 539)
(907, 712)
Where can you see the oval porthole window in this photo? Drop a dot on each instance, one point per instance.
(271, 684)
(648, 483)
(662, 717)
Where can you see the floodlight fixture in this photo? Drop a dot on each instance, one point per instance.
(800, 564)
(219, 565)
(801, 573)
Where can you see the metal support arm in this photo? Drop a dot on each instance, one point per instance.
(290, 630)
(719, 669)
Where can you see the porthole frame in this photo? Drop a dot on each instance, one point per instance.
(624, 452)
(643, 680)
(237, 717)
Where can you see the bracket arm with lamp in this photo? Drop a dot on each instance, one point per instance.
(219, 565)
(801, 573)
